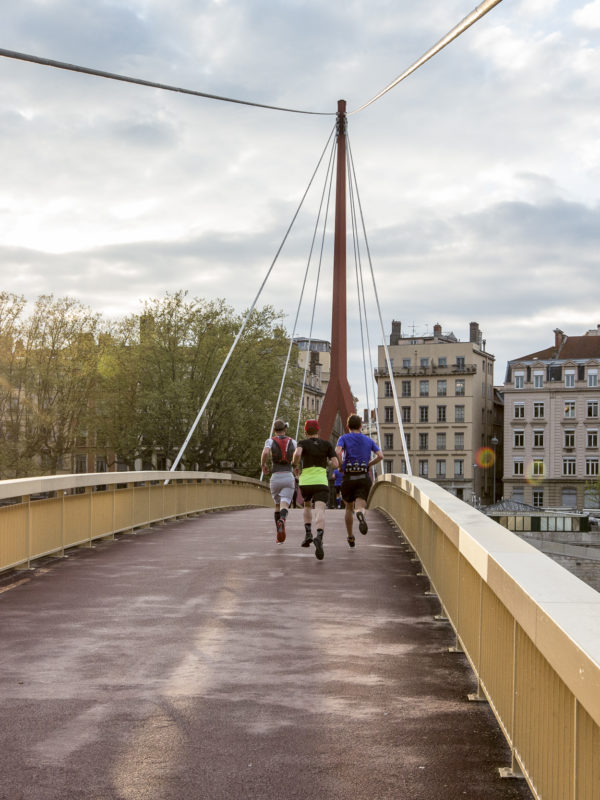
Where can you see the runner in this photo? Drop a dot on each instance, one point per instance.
(280, 448)
(354, 450)
(337, 480)
(315, 453)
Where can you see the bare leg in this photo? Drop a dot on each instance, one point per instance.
(307, 513)
(320, 515)
(349, 518)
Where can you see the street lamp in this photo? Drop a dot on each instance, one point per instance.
(494, 442)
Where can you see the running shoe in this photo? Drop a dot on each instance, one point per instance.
(362, 523)
(280, 530)
(318, 542)
(308, 540)
(351, 540)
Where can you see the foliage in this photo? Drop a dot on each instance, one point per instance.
(130, 390)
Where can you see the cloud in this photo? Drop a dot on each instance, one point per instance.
(588, 16)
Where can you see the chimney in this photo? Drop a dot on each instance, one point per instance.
(475, 333)
(437, 329)
(559, 338)
(396, 332)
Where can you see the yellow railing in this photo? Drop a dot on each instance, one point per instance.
(48, 515)
(529, 628)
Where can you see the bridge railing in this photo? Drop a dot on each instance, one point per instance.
(45, 516)
(529, 628)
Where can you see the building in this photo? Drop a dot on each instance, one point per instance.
(445, 391)
(317, 353)
(551, 424)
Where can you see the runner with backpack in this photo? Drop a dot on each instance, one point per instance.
(280, 449)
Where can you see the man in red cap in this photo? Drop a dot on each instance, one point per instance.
(315, 454)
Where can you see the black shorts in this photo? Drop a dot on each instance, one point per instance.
(316, 492)
(355, 487)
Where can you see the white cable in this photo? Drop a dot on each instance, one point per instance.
(237, 338)
(387, 352)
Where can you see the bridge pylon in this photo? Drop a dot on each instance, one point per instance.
(338, 397)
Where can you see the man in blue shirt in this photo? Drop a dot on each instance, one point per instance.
(357, 453)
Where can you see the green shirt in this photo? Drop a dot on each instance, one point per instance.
(315, 455)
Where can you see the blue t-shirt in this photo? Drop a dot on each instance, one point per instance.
(357, 449)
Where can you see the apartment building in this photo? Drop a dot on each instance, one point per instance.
(317, 353)
(445, 390)
(551, 423)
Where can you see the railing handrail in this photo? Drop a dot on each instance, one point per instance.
(19, 487)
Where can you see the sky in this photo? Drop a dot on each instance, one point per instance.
(478, 175)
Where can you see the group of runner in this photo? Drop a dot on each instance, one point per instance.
(307, 460)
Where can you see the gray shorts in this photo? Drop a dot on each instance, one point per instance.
(283, 486)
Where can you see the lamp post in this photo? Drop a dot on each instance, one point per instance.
(494, 442)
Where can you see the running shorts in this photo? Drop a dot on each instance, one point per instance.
(355, 487)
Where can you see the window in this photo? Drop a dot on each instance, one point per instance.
(440, 468)
(538, 438)
(537, 468)
(388, 389)
(591, 467)
(592, 408)
(459, 387)
(388, 465)
(591, 438)
(538, 498)
(569, 438)
(424, 362)
(407, 438)
(519, 380)
(388, 413)
(538, 410)
(81, 463)
(459, 467)
(518, 465)
(423, 441)
(538, 379)
(405, 413)
(517, 494)
(459, 441)
(423, 468)
(423, 414)
(442, 361)
(405, 388)
(519, 411)
(423, 388)
(441, 388)
(568, 466)
(569, 378)
(518, 438)
(459, 414)
(570, 409)
(592, 378)
(388, 441)
(406, 363)
(440, 441)
(100, 464)
(460, 362)
(441, 413)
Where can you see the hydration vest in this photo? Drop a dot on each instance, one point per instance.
(280, 448)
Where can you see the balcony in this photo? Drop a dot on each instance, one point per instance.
(450, 369)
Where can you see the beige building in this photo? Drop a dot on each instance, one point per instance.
(445, 391)
(318, 354)
(551, 423)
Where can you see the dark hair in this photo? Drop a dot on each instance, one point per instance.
(354, 422)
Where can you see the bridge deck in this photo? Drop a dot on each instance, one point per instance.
(201, 660)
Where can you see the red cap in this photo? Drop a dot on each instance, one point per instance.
(311, 426)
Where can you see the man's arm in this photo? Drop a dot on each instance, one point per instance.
(377, 457)
(263, 460)
(334, 462)
(339, 452)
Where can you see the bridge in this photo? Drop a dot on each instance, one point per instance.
(151, 649)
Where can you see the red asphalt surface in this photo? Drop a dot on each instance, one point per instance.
(202, 660)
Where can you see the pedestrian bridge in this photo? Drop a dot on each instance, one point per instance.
(180, 654)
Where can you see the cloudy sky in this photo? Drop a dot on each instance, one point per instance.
(478, 175)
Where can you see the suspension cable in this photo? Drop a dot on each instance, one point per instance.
(302, 290)
(462, 26)
(362, 299)
(48, 62)
(312, 318)
(387, 352)
(237, 338)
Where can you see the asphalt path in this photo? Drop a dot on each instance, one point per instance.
(202, 660)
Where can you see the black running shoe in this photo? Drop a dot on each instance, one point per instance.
(351, 540)
(308, 540)
(362, 523)
(318, 543)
